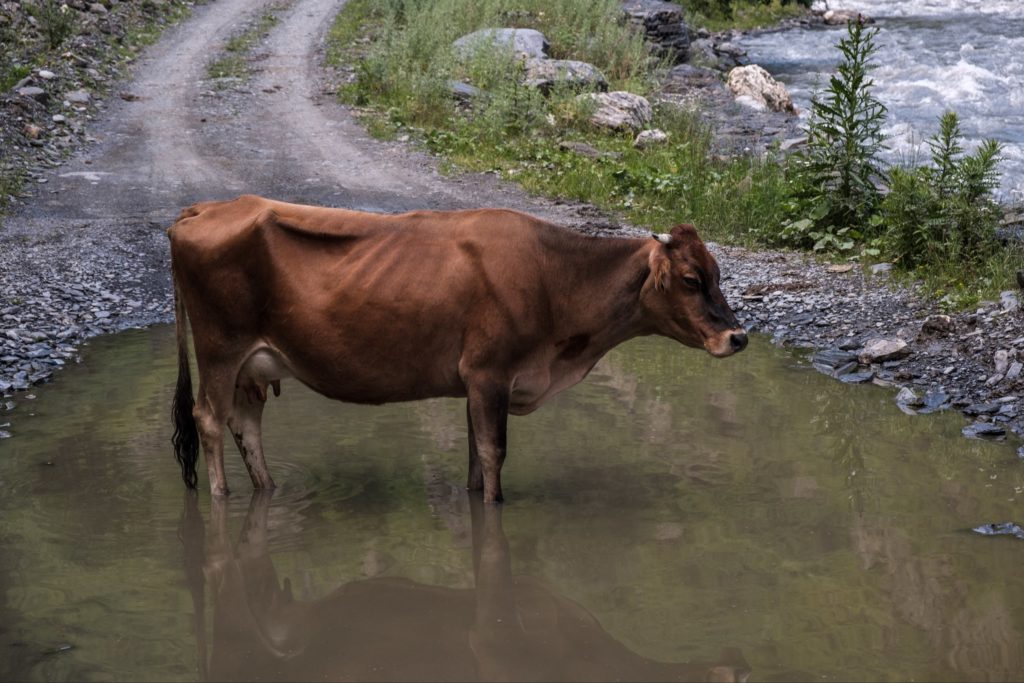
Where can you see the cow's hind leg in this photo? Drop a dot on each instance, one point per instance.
(475, 479)
(210, 423)
(488, 414)
(244, 423)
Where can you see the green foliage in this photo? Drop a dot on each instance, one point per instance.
(56, 21)
(742, 14)
(945, 212)
(835, 181)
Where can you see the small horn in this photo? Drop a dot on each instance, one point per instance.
(663, 237)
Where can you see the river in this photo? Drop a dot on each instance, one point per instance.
(934, 55)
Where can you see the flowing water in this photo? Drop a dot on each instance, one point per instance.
(675, 516)
(933, 56)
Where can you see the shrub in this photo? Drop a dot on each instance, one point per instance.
(56, 21)
(944, 212)
(835, 181)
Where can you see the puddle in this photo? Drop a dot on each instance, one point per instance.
(674, 517)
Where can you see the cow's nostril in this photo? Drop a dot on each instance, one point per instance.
(738, 340)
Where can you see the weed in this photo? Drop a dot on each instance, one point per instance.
(57, 21)
(836, 180)
(232, 62)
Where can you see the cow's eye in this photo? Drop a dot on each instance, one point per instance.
(691, 282)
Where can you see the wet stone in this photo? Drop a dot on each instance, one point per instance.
(982, 409)
(834, 361)
(857, 377)
(1000, 529)
(984, 430)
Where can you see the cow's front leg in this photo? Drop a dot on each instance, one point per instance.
(475, 479)
(488, 415)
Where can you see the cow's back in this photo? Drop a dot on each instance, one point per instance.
(365, 307)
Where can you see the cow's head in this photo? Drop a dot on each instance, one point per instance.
(682, 297)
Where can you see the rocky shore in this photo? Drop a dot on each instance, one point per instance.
(856, 324)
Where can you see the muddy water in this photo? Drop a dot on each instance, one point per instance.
(673, 517)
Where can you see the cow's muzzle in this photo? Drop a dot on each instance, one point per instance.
(727, 343)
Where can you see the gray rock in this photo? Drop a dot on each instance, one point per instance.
(46, 75)
(1014, 370)
(663, 26)
(1001, 360)
(78, 97)
(650, 138)
(908, 397)
(984, 430)
(549, 74)
(857, 377)
(523, 42)
(97, 8)
(880, 268)
(976, 409)
(936, 326)
(834, 362)
(1009, 301)
(619, 110)
(463, 91)
(35, 93)
(585, 150)
(881, 350)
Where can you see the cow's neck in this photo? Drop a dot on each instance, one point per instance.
(605, 277)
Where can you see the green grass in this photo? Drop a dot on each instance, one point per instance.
(12, 74)
(748, 15)
(232, 62)
(11, 183)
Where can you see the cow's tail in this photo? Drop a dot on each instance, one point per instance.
(186, 435)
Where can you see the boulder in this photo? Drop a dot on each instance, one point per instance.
(881, 350)
(548, 74)
(754, 82)
(524, 42)
(651, 137)
(663, 25)
(841, 17)
(938, 325)
(619, 110)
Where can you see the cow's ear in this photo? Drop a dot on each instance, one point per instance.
(660, 265)
(684, 233)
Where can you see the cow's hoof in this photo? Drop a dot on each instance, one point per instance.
(220, 490)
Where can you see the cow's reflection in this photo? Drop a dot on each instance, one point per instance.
(390, 629)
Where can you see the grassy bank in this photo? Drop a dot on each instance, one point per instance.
(404, 73)
(406, 65)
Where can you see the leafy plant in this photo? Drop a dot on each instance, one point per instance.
(56, 21)
(836, 180)
(944, 212)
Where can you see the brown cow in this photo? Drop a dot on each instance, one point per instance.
(493, 305)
